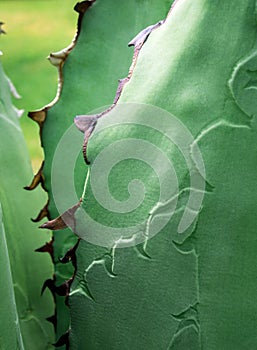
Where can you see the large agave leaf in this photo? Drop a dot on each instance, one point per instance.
(24, 271)
(195, 289)
(89, 76)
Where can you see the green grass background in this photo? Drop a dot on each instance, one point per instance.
(34, 29)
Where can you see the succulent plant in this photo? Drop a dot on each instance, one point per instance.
(24, 311)
(151, 177)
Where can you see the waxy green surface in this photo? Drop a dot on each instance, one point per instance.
(23, 309)
(90, 77)
(197, 290)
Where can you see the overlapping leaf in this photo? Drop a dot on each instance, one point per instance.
(174, 291)
(24, 311)
(196, 290)
(89, 76)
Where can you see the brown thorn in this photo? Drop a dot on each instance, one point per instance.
(86, 124)
(70, 255)
(44, 213)
(38, 116)
(1, 30)
(53, 320)
(56, 224)
(47, 248)
(65, 220)
(37, 179)
(83, 6)
(49, 283)
(142, 36)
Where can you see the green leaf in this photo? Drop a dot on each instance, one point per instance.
(24, 270)
(180, 289)
(89, 79)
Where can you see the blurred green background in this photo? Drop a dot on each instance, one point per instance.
(34, 29)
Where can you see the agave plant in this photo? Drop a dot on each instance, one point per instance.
(79, 75)
(24, 310)
(152, 204)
